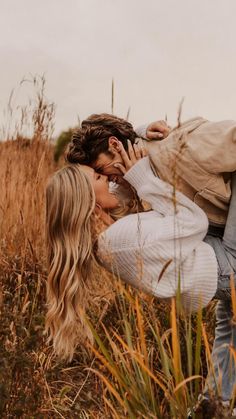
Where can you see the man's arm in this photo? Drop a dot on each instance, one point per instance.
(213, 146)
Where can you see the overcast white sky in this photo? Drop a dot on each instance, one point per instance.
(157, 51)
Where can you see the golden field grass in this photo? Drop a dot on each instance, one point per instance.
(146, 359)
(135, 339)
(25, 358)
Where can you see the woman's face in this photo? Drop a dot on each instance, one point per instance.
(100, 184)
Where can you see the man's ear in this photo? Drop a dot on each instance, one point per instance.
(114, 144)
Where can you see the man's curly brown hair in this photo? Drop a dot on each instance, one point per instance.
(92, 137)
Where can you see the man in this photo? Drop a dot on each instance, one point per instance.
(198, 158)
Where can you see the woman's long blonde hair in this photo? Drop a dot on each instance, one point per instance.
(70, 203)
(71, 238)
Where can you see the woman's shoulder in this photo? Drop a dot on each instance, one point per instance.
(120, 228)
(127, 232)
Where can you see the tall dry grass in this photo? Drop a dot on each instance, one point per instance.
(147, 360)
(24, 170)
(34, 383)
(133, 341)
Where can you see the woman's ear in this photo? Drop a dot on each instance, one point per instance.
(114, 144)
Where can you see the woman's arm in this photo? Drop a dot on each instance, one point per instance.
(182, 224)
(162, 196)
(168, 245)
(161, 253)
(166, 200)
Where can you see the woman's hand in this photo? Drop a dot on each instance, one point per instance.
(135, 152)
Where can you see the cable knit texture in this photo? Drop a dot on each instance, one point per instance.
(161, 250)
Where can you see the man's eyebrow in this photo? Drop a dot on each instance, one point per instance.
(98, 168)
(95, 165)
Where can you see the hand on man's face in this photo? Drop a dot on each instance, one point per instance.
(116, 163)
(105, 165)
(130, 157)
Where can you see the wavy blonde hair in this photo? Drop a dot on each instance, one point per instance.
(70, 203)
(71, 237)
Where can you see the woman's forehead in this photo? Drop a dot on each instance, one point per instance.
(87, 169)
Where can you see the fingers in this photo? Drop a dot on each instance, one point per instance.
(157, 130)
(140, 151)
(135, 153)
(122, 168)
(137, 150)
(131, 151)
(124, 156)
(144, 152)
(154, 135)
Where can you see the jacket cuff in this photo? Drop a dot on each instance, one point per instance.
(137, 175)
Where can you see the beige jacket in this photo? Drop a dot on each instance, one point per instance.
(198, 157)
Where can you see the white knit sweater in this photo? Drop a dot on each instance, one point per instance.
(157, 250)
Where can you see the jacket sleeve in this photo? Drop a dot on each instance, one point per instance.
(213, 146)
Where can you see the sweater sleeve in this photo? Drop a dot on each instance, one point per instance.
(167, 201)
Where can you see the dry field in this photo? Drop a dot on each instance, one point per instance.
(146, 360)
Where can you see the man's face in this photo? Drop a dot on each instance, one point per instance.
(105, 165)
(105, 162)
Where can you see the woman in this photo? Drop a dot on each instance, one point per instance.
(159, 251)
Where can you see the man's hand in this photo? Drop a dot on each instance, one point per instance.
(157, 130)
(135, 153)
